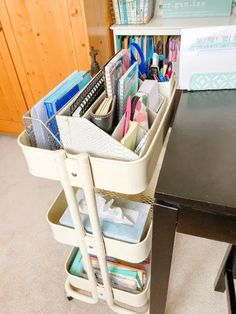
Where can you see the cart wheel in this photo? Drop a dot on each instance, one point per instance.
(69, 298)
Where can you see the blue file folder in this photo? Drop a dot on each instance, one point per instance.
(73, 84)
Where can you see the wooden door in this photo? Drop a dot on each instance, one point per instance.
(44, 43)
(12, 102)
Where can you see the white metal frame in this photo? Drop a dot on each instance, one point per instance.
(88, 188)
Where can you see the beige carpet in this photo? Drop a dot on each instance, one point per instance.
(32, 263)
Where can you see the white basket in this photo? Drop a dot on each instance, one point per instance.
(134, 253)
(132, 12)
(129, 177)
(131, 299)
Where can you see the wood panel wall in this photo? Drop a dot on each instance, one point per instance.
(98, 19)
(48, 41)
(12, 102)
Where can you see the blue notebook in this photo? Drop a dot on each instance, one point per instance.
(137, 212)
(74, 83)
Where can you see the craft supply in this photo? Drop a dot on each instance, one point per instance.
(123, 276)
(127, 116)
(140, 115)
(129, 140)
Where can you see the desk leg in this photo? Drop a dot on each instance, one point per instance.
(220, 278)
(164, 225)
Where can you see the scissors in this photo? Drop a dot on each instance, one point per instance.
(142, 67)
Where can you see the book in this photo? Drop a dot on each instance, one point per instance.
(116, 10)
(123, 275)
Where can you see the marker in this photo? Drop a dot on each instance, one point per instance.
(165, 69)
(127, 116)
(169, 72)
(155, 60)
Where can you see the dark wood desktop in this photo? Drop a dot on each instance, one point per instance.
(196, 190)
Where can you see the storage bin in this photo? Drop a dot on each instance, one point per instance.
(135, 300)
(129, 177)
(194, 8)
(132, 12)
(134, 253)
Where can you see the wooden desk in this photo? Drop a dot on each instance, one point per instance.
(196, 190)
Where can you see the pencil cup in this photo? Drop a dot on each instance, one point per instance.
(104, 122)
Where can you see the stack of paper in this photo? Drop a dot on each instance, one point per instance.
(123, 276)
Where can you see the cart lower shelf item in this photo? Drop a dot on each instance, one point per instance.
(120, 219)
(132, 252)
(132, 299)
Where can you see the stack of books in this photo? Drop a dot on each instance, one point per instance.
(124, 276)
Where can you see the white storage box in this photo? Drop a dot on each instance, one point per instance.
(135, 300)
(133, 253)
(166, 88)
(129, 177)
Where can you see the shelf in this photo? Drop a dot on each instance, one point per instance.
(132, 252)
(161, 26)
(135, 300)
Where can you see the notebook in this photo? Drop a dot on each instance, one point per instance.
(127, 86)
(122, 275)
(87, 96)
(114, 69)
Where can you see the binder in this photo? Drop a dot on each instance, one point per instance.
(81, 103)
(63, 93)
(44, 130)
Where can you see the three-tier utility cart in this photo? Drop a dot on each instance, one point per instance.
(134, 180)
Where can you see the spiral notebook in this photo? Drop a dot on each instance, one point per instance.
(84, 99)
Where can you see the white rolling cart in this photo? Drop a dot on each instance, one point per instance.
(135, 180)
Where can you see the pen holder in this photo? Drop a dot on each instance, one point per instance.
(104, 122)
(166, 88)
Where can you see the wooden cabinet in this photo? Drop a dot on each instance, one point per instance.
(49, 39)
